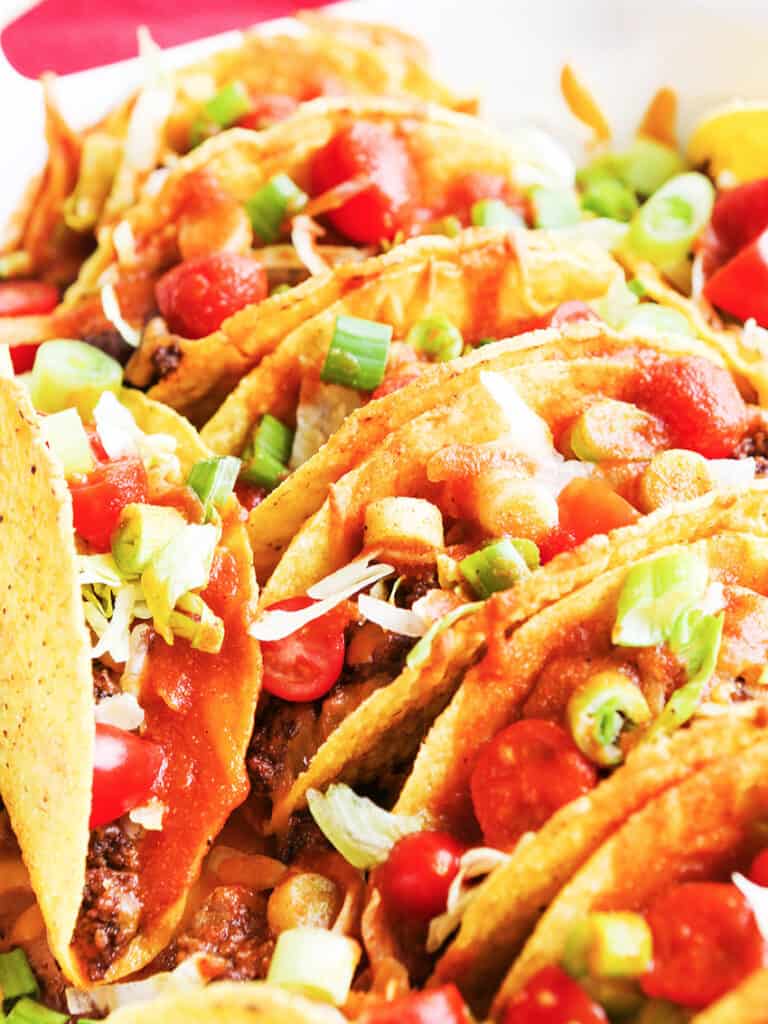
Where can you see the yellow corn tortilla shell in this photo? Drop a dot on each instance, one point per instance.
(46, 684)
(228, 1002)
(700, 828)
(747, 1004)
(510, 901)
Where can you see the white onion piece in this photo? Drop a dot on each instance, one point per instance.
(389, 617)
(115, 426)
(149, 815)
(344, 577)
(121, 710)
(697, 277)
(304, 232)
(557, 473)
(277, 624)
(526, 424)
(110, 305)
(757, 898)
(138, 651)
(475, 863)
(732, 472)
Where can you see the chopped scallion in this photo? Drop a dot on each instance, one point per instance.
(228, 105)
(142, 532)
(16, 977)
(608, 197)
(554, 207)
(70, 374)
(213, 479)
(436, 336)
(357, 355)
(265, 459)
(27, 1011)
(66, 437)
(493, 213)
(315, 962)
(499, 565)
(664, 229)
(273, 205)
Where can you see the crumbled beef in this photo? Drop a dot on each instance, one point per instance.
(232, 926)
(283, 741)
(53, 984)
(754, 445)
(106, 681)
(412, 587)
(166, 359)
(113, 343)
(111, 909)
(301, 837)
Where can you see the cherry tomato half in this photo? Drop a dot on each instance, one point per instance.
(370, 151)
(699, 403)
(99, 498)
(555, 542)
(306, 664)
(741, 214)
(268, 109)
(125, 771)
(588, 506)
(758, 869)
(553, 997)
(414, 880)
(434, 1006)
(197, 296)
(522, 776)
(27, 298)
(741, 286)
(705, 941)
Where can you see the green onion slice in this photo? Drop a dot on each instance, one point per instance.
(16, 976)
(213, 480)
(648, 164)
(361, 831)
(142, 532)
(357, 356)
(265, 459)
(554, 207)
(70, 374)
(272, 205)
(600, 710)
(650, 316)
(27, 1011)
(615, 944)
(436, 336)
(228, 105)
(419, 654)
(494, 213)
(664, 229)
(499, 565)
(315, 962)
(67, 439)
(608, 197)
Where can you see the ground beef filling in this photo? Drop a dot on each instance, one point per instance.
(755, 446)
(231, 927)
(111, 909)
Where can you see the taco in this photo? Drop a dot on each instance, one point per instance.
(679, 930)
(138, 619)
(413, 511)
(93, 176)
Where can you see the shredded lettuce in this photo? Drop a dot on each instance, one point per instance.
(655, 594)
(421, 652)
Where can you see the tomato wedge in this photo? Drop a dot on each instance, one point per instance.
(306, 664)
(705, 941)
(741, 286)
(698, 401)
(758, 869)
(125, 771)
(522, 776)
(371, 152)
(588, 506)
(415, 878)
(99, 498)
(741, 214)
(27, 298)
(197, 296)
(434, 1006)
(553, 997)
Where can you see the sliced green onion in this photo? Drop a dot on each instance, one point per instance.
(272, 205)
(449, 226)
(605, 167)
(554, 207)
(361, 831)
(143, 531)
(608, 197)
(664, 229)
(228, 105)
(637, 287)
(648, 164)
(499, 565)
(617, 305)
(184, 564)
(357, 356)
(265, 459)
(599, 711)
(493, 213)
(70, 374)
(280, 289)
(315, 962)
(16, 976)
(27, 1011)
(202, 128)
(612, 430)
(617, 944)
(436, 336)
(650, 316)
(67, 439)
(655, 593)
(695, 639)
(213, 480)
(419, 654)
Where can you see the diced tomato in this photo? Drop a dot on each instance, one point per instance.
(741, 286)
(553, 997)
(306, 664)
(397, 381)
(249, 495)
(125, 771)
(369, 151)
(268, 109)
(99, 498)
(433, 1006)
(197, 296)
(224, 581)
(555, 542)
(23, 357)
(741, 214)
(699, 403)
(522, 776)
(758, 869)
(705, 941)
(588, 506)
(415, 878)
(27, 298)
(573, 312)
(477, 185)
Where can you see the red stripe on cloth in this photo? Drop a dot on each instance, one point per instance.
(73, 35)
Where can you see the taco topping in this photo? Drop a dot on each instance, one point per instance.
(436, 1006)
(416, 876)
(552, 997)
